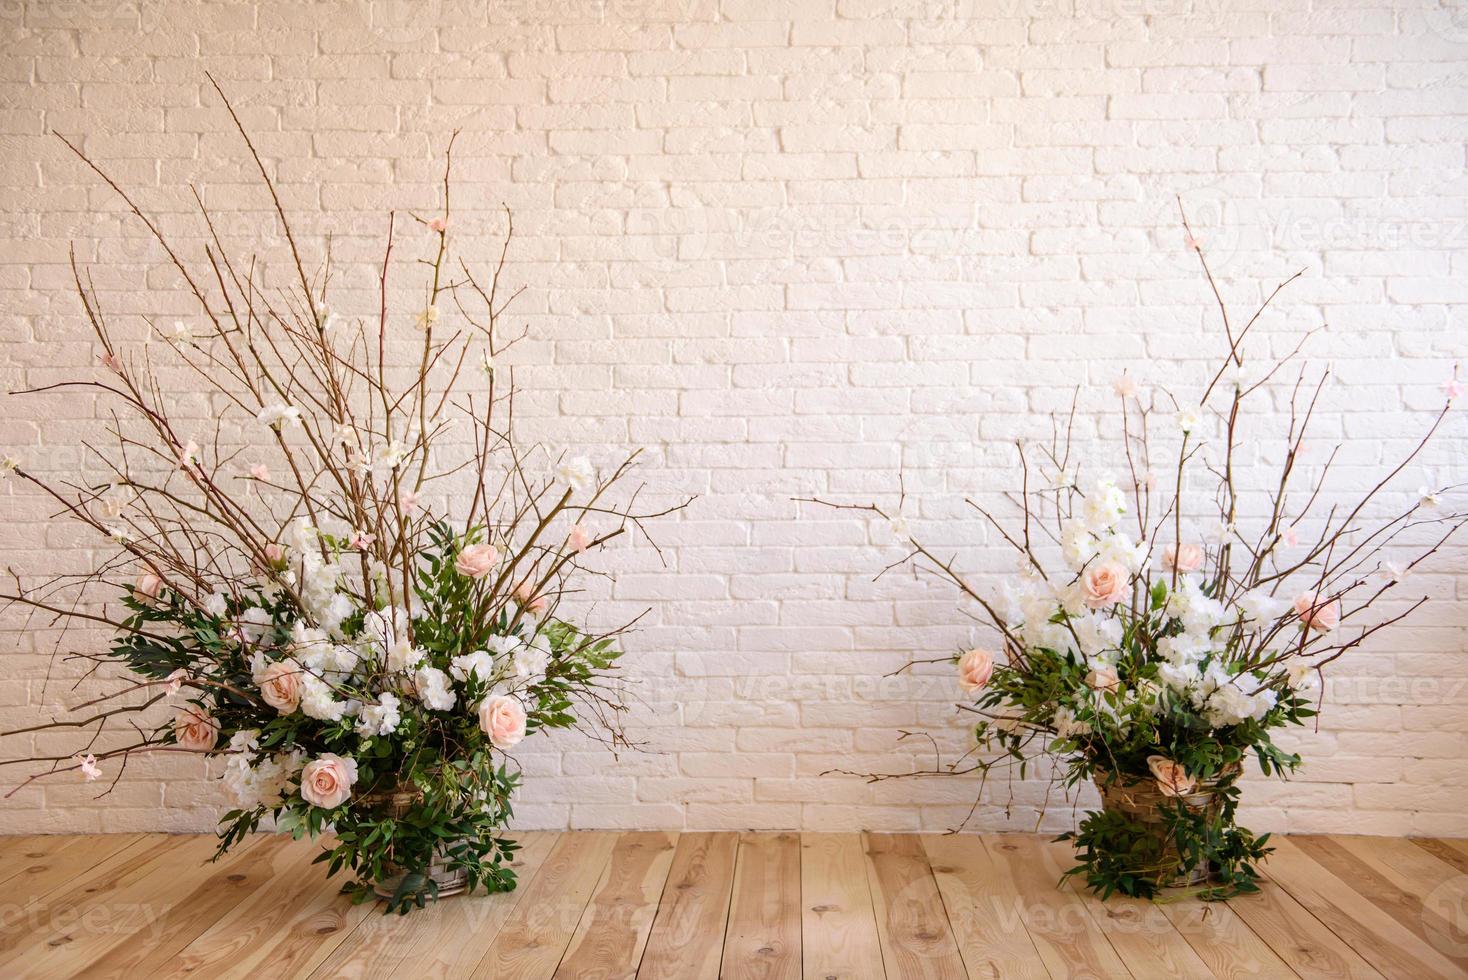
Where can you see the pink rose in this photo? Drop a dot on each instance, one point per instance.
(327, 780)
(477, 560)
(1182, 557)
(502, 718)
(195, 730)
(275, 553)
(577, 539)
(1105, 584)
(1320, 615)
(535, 605)
(147, 587)
(1103, 679)
(974, 670)
(280, 686)
(1172, 779)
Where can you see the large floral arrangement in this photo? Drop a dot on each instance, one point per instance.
(296, 604)
(1157, 637)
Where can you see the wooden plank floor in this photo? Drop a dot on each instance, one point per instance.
(699, 906)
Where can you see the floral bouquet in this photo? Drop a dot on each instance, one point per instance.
(298, 607)
(1138, 653)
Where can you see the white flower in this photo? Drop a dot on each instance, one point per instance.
(1077, 545)
(402, 656)
(1179, 676)
(252, 624)
(214, 604)
(245, 740)
(8, 465)
(188, 455)
(531, 660)
(1260, 607)
(277, 415)
(899, 529)
(486, 363)
(1067, 725)
(432, 687)
(1302, 676)
(1122, 550)
(1124, 386)
(1104, 505)
(327, 319)
(88, 766)
(576, 473)
(1189, 419)
(426, 318)
(478, 664)
(392, 457)
(1428, 498)
(319, 701)
(381, 718)
(183, 334)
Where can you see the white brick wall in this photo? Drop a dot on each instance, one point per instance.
(795, 247)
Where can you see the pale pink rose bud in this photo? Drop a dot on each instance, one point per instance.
(1172, 779)
(1105, 584)
(535, 605)
(1320, 615)
(327, 780)
(1291, 537)
(280, 686)
(275, 553)
(974, 670)
(477, 560)
(195, 729)
(439, 225)
(147, 587)
(111, 362)
(1182, 558)
(577, 539)
(502, 718)
(1103, 679)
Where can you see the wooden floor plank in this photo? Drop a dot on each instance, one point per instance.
(610, 938)
(661, 906)
(1057, 919)
(446, 938)
(231, 882)
(1454, 852)
(838, 924)
(1365, 926)
(85, 922)
(1142, 934)
(285, 928)
(912, 923)
(763, 937)
(1224, 941)
(1298, 938)
(985, 909)
(687, 937)
(36, 871)
(533, 939)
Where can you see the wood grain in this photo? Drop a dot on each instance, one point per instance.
(701, 906)
(912, 923)
(838, 924)
(535, 936)
(687, 937)
(984, 909)
(763, 937)
(610, 938)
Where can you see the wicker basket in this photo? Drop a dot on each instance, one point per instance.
(396, 803)
(1140, 799)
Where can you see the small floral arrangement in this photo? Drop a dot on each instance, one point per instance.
(360, 663)
(1139, 652)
